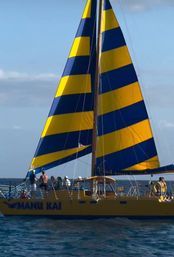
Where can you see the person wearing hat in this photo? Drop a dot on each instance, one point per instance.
(66, 182)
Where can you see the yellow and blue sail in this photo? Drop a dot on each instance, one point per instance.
(68, 130)
(125, 142)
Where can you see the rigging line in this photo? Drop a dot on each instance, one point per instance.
(86, 163)
(92, 53)
(102, 127)
(89, 66)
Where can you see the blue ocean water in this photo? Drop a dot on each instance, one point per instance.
(120, 237)
(103, 237)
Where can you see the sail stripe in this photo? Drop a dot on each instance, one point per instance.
(107, 6)
(75, 84)
(148, 164)
(67, 123)
(63, 141)
(121, 118)
(55, 163)
(109, 44)
(77, 65)
(84, 28)
(128, 157)
(71, 103)
(118, 78)
(120, 98)
(123, 138)
(88, 10)
(81, 47)
(52, 157)
(114, 59)
(108, 21)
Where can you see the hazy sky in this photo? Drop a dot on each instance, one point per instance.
(35, 39)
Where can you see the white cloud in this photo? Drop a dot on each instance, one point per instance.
(140, 5)
(20, 93)
(14, 75)
(16, 127)
(166, 124)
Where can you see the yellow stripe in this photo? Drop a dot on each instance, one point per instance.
(123, 138)
(119, 98)
(114, 59)
(81, 47)
(87, 11)
(109, 20)
(52, 157)
(74, 84)
(151, 163)
(70, 122)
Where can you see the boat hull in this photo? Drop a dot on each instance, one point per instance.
(74, 208)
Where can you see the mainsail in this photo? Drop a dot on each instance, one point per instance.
(68, 130)
(125, 139)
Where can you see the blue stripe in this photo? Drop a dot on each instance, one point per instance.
(64, 160)
(71, 104)
(122, 118)
(85, 28)
(118, 78)
(112, 39)
(128, 157)
(107, 5)
(54, 143)
(77, 65)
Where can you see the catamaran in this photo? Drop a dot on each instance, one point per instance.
(98, 108)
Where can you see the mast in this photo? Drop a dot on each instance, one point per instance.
(96, 89)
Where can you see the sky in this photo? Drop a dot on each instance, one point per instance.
(35, 40)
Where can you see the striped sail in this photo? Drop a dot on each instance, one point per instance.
(125, 141)
(68, 130)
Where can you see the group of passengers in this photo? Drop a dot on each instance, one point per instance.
(157, 189)
(43, 184)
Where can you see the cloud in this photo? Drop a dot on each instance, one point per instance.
(24, 89)
(27, 93)
(16, 127)
(166, 124)
(14, 75)
(137, 5)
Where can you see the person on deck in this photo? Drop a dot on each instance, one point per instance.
(161, 187)
(66, 182)
(33, 179)
(59, 183)
(43, 181)
(24, 195)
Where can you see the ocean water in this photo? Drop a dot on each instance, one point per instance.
(120, 237)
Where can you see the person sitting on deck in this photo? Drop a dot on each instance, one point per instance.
(43, 181)
(24, 195)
